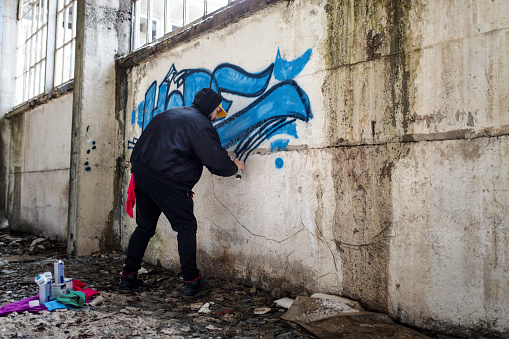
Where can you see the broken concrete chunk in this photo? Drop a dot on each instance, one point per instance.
(284, 302)
(352, 303)
(328, 318)
(262, 310)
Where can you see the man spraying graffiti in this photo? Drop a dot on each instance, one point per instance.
(166, 163)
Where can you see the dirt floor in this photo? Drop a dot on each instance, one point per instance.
(158, 312)
(228, 311)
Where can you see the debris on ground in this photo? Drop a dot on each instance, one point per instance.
(230, 310)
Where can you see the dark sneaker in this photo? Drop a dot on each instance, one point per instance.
(131, 283)
(195, 288)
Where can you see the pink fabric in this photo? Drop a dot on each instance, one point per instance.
(78, 286)
(131, 197)
(22, 306)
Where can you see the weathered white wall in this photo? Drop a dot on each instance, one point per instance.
(39, 168)
(395, 191)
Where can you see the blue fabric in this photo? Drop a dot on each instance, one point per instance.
(54, 305)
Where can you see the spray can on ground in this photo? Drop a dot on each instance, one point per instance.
(49, 280)
(58, 267)
(42, 282)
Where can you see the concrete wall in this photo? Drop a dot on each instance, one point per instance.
(8, 36)
(97, 129)
(39, 169)
(389, 182)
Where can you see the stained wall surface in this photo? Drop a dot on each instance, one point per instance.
(375, 140)
(38, 191)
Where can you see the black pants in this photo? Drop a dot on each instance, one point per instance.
(152, 198)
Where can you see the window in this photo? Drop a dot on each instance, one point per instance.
(45, 47)
(155, 18)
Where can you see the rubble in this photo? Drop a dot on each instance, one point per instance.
(230, 310)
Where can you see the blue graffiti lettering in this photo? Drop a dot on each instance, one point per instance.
(274, 110)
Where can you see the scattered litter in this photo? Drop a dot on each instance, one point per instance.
(33, 303)
(36, 241)
(142, 270)
(97, 301)
(284, 302)
(196, 306)
(262, 310)
(205, 308)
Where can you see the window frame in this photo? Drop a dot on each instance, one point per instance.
(24, 82)
(166, 22)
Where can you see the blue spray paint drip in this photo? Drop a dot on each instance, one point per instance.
(275, 110)
(279, 163)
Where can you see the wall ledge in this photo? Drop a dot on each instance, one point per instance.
(40, 100)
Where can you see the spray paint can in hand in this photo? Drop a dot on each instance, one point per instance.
(238, 175)
(58, 267)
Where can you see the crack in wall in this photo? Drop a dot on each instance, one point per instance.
(247, 229)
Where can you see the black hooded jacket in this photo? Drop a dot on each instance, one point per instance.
(177, 143)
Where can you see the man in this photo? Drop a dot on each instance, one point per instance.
(166, 163)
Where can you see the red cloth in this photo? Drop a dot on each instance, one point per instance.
(78, 286)
(131, 197)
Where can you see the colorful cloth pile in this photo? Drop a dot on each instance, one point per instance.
(75, 298)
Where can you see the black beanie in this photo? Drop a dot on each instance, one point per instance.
(206, 100)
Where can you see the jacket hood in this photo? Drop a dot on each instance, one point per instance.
(206, 100)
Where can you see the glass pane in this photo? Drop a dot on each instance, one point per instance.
(37, 79)
(58, 66)
(44, 40)
(73, 49)
(67, 24)
(141, 24)
(31, 77)
(176, 14)
(67, 63)
(213, 5)
(60, 30)
(19, 90)
(38, 49)
(157, 19)
(194, 10)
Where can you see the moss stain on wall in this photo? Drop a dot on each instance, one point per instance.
(366, 32)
